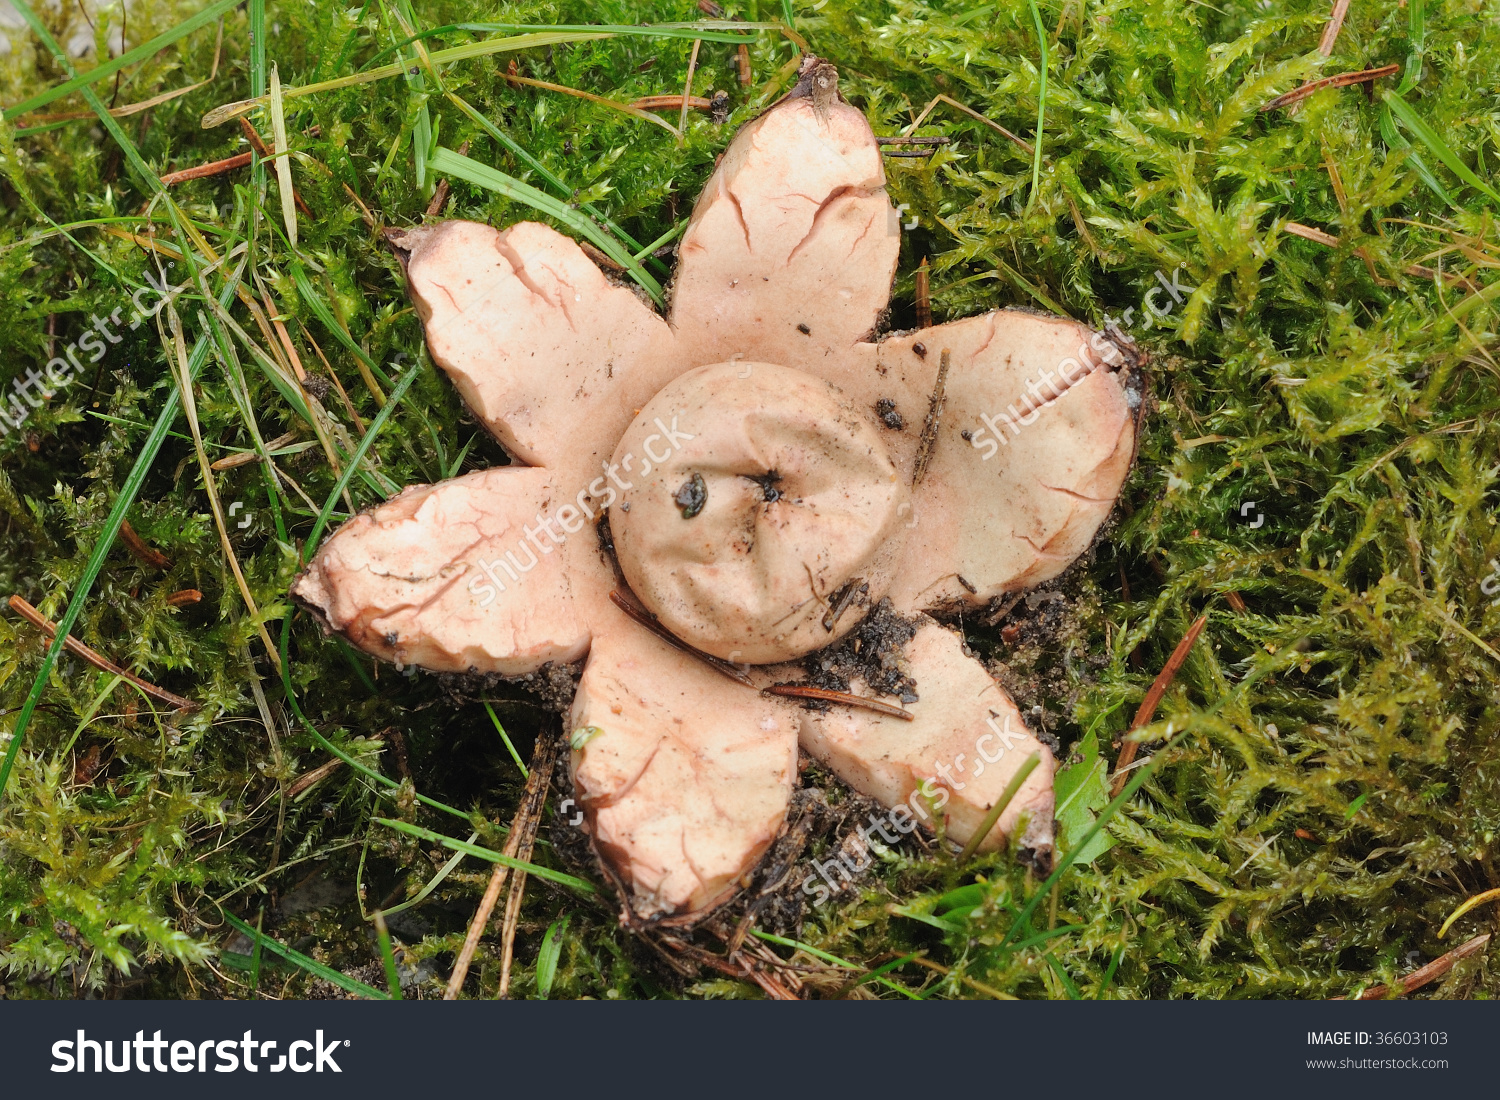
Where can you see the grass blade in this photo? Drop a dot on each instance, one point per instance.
(446, 162)
(1041, 104)
(1072, 990)
(385, 781)
(1140, 777)
(514, 755)
(1430, 138)
(826, 957)
(388, 956)
(546, 958)
(583, 886)
(257, 15)
(230, 111)
(312, 966)
(550, 177)
(359, 456)
(1395, 140)
(710, 30)
(433, 883)
(129, 57)
(1417, 21)
(283, 161)
(546, 36)
(110, 529)
(368, 369)
(1026, 768)
(1109, 974)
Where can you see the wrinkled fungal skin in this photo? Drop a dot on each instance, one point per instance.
(746, 578)
(667, 726)
(785, 267)
(965, 723)
(401, 580)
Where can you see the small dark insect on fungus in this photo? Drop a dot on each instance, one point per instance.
(804, 330)
(692, 496)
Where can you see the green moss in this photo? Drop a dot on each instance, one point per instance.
(1334, 792)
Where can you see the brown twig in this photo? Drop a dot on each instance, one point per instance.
(592, 98)
(848, 699)
(1153, 697)
(738, 967)
(1021, 142)
(744, 60)
(649, 621)
(1328, 240)
(245, 458)
(924, 295)
(537, 779)
(481, 918)
(1297, 95)
(1331, 30)
(930, 140)
(928, 440)
(184, 597)
(528, 816)
(364, 211)
(1429, 973)
(317, 775)
(334, 378)
(148, 555)
(214, 168)
(103, 664)
(664, 102)
(1235, 601)
(841, 601)
(286, 340)
(259, 145)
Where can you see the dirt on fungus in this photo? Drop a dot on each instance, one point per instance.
(553, 685)
(872, 652)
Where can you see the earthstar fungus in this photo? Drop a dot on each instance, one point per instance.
(748, 466)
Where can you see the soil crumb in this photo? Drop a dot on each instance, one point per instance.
(872, 652)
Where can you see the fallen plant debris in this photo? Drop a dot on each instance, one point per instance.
(1342, 80)
(102, 663)
(1152, 700)
(1434, 970)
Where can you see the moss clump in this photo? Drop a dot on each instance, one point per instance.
(1332, 794)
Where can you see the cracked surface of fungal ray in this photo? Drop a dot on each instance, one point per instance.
(684, 774)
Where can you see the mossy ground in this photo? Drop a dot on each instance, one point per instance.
(1335, 790)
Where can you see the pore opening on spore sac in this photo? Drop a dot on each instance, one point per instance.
(767, 482)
